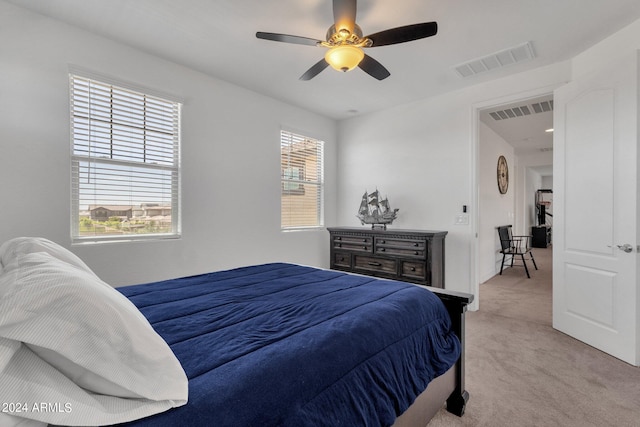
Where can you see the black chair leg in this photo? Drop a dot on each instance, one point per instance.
(525, 266)
(534, 261)
(502, 265)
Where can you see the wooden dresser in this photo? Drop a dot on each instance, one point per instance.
(415, 256)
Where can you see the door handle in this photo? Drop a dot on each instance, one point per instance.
(625, 248)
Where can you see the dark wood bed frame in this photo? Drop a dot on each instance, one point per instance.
(448, 387)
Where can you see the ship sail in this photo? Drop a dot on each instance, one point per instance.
(364, 209)
(375, 211)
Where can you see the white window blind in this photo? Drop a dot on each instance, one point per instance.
(302, 181)
(125, 163)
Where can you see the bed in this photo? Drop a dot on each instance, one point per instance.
(272, 344)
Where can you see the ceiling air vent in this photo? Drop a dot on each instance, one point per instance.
(523, 110)
(541, 107)
(520, 53)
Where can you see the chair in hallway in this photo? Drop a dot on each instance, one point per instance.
(515, 246)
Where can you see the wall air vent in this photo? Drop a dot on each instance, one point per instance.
(523, 110)
(520, 53)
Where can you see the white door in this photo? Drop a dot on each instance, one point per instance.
(595, 291)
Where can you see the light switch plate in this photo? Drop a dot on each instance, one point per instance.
(461, 220)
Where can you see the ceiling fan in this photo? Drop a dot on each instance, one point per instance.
(345, 42)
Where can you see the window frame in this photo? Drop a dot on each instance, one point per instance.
(307, 176)
(152, 159)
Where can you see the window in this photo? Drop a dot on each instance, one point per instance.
(125, 163)
(302, 180)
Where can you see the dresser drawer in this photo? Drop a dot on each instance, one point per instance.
(415, 256)
(409, 248)
(342, 259)
(413, 270)
(379, 265)
(353, 243)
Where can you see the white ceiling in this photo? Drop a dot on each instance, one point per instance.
(217, 37)
(524, 124)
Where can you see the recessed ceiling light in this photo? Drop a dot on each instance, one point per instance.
(549, 130)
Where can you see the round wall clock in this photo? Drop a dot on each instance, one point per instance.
(503, 175)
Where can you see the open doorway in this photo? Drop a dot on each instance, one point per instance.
(522, 132)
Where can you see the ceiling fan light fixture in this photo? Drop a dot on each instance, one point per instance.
(344, 57)
(345, 42)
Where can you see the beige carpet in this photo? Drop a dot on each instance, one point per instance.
(522, 372)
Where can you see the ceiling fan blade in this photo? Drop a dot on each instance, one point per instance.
(373, 68)
(404, 34)
(315, 70)
(287, 38)
(344, 14)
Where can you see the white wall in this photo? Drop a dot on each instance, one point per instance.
(230, 156)
(495, 209)
(422, 155)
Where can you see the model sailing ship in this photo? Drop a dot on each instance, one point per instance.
(376, 212)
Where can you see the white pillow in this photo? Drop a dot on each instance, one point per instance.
(7, 420)
(66, 337)
(26, 245)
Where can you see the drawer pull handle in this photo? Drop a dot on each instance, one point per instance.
(375, 264)
(416, 245)
(338, 238)
(416, 253)
(382, 249)
(413, 269)
(339, 245)
(383, 242)
(364, 240)
(364, 247)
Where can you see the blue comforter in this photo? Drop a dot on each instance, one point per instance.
(287, 345)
